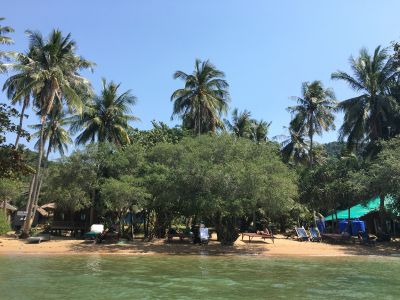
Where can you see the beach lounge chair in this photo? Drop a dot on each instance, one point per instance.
(203, 235)
(314, 235)
(173, 233)
(41, 237)
(302, 234)
(261, 234)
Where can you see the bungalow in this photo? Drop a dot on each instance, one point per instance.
(77, 222)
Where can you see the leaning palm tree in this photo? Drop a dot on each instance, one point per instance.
(366, 115)
(241, 123)
(106, 117)
(55, 135)
(52, 69)
(5, 40)
(203, 99)
(314, 112)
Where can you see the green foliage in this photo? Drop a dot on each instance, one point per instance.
(331, 185)
(160, 133)
(219, 179)
(10, 189)
(12, 163)
(122, 194)
(4, 224)
(381, 176)
(70, 183)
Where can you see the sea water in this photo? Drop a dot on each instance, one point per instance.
(197, 277)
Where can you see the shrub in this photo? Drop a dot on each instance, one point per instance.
(4, 224)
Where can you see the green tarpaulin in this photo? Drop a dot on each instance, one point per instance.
(359, 210)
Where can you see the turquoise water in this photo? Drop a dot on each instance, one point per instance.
(197, 277)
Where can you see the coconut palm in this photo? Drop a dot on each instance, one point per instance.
(366, 115)
(52, 69)
(203, 99)
(55, 134)
(314, 112)
(105, 117)
(259, 130)
(241, 123)
(4, 40)
(294, 147)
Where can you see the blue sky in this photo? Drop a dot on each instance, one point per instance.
(266, 48)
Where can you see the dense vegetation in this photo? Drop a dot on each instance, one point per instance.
(224, 172)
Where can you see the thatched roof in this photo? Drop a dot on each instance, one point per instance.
(8, 206)
(51, 205)
(41, 211)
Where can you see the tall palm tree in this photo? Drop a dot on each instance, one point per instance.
(105, 117)
(4, 40)
(366, 115)
(259, 130)
(314, 112)
(203, 99)
(241, 124)
(52, 69)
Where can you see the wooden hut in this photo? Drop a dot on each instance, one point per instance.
(41, 217)
(77, 222)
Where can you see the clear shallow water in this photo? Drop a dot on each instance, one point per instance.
(197, 277)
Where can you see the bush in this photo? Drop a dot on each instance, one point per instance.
(4, 224)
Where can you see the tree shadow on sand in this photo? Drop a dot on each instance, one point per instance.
(137, 246)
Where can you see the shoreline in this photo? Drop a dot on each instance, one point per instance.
(281, 248)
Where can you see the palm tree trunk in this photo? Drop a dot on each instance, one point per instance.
(35, 206)
(311, 148)
(37, 182)
(21, 120)
(382, 213)
(199, 121)
(32, 200)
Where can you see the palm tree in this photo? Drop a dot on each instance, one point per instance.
(314, 112)
(4, 40)
(241, 124)
(294, 147)
(52, 69)
(55, 134)
(366, 115)
(18, 89)
(203, 99)
(105, 118)
(259, 130)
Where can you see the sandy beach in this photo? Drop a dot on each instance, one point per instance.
(281, 247)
